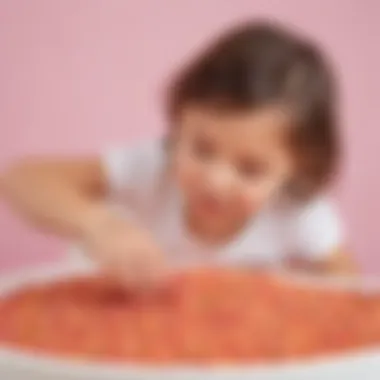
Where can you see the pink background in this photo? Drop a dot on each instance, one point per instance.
(77, 75)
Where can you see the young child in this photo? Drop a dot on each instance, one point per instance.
(238, 179)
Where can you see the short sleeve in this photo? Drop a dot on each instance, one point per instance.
(316, 230)
(132, 168)
(117, 166)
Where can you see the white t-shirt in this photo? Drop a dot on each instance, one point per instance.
(135, 176)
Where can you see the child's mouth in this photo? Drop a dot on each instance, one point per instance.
(211, 206)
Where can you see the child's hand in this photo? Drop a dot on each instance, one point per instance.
(125, 252)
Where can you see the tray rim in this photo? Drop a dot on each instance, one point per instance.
(17, 358)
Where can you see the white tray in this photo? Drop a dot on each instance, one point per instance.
(22, 365)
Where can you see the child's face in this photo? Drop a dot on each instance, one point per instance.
(229, 164)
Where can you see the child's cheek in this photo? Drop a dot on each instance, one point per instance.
(254, 197)
(250, 203)
(187, 173)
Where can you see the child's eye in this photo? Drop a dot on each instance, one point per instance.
(204, 149)
(251, 169)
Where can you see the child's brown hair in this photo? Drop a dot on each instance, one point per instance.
(260, 64)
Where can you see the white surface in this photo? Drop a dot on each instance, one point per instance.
(17, 365)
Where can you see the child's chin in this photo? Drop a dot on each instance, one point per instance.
(212, 213)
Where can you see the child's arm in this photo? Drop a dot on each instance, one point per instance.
(318, 240)
(67, 196)
(337, 263)
(62, 195)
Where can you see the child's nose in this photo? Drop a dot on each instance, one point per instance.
(220, 179)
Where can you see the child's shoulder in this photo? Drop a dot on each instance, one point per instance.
(318, 206)
(134, 163)
(142, 149)
(314, 226)
(319, 213)
(310, 229)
